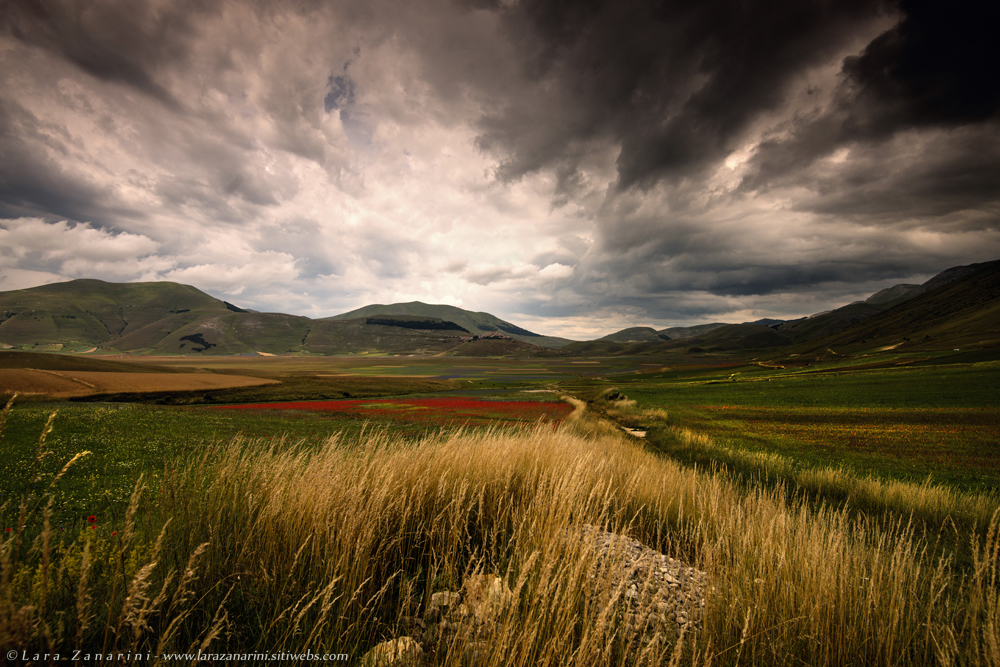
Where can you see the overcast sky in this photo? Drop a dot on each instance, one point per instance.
(573, 166)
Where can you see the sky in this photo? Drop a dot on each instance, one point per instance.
(572, 166)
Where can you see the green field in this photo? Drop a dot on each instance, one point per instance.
(126, 440)
(129, 439)
(904, 423)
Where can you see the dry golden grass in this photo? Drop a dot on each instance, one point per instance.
(260, 547)
(66, 384)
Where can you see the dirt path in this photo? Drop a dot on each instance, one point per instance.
(578, 407)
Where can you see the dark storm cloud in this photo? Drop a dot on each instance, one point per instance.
(959, 171)
(937, 66)
(114, 40)
(898, 130)
(675, 84)
(31, 182)
(919, 109)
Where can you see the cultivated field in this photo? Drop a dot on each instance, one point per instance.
(953, 445)
(72, 384)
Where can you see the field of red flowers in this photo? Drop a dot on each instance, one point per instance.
(949, 444)
(445, 411)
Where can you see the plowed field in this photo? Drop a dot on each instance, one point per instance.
(68, 384)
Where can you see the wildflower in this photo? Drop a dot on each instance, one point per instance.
(91, 519)
(113, 533)
(8, 530)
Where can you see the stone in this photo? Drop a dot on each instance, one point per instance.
(487, 596)
(399, 652)
(446, 599)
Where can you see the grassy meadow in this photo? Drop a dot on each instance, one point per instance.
(255, 530)
(905, 423)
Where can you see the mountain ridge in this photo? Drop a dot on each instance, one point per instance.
(953, 307)
(967, 284)
(171, 318)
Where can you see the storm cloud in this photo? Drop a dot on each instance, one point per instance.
(574, 166)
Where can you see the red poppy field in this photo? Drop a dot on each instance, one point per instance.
(447, 411)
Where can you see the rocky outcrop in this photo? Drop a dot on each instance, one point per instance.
(654, 595)
(657, 592)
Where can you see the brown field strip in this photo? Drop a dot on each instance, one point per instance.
(68, 384)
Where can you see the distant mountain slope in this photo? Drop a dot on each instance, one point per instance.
(475, 323)
(770, 333)
(633, 335)
(169, 318)
(739, 337)
(824, 324)
(678, 333)
(83, 313)
(890, 296)
(963, 311)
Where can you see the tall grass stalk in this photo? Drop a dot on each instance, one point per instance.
(260, 546)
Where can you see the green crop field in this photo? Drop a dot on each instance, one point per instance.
(128, 439)
(124, 441)
(906, 422)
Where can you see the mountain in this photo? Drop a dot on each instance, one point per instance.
(890, 296)
(952, 308)
(962, 311)
(680, 333)
(635, 340)
(634, 335)
(169, 318)
(959, 307)
(475, 323)
(738, 337)
(824, 324)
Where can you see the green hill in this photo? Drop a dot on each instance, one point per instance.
(823, 324)
(826, 324)
(738, 337)
(959, 307)
(679, 333)
(475, 323)
(633, 335)
(168, 318)
(947, 310)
